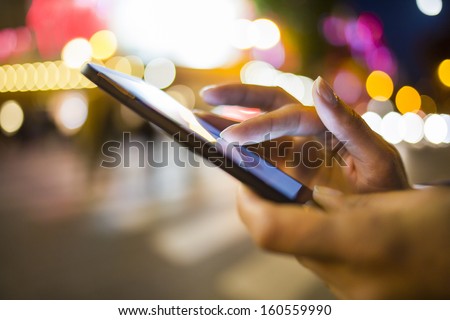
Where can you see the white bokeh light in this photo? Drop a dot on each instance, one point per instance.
(69, 111)
(292, 84)
(413, 127)
(76, 52)
(240, 35)
(373, 120)
(435, 129)
(430, 7)
(192, 33)
(264, 34)
(160, 72)
(259, 72)
(307, 99)
(11, 117)
(393, 127)
(446, 117)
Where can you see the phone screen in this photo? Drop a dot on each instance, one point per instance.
(160, 102)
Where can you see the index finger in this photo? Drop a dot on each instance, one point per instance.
(247, 95)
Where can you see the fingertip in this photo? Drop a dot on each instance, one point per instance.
(209, 94)
(207, 89)
(326, 94)
(228, 133)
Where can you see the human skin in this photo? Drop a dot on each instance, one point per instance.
(368, 235)
(371, 164)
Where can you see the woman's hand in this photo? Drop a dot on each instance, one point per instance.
(373, 246)
(365, 162)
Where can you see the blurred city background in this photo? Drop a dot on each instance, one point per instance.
(70, 229)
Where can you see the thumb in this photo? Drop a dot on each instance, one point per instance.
(346, 124)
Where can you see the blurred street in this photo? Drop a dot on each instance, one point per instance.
(68, 231)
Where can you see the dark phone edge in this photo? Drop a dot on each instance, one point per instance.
(187, 139)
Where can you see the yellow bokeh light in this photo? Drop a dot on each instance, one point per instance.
(137, 66)
(75, 78)
(379, 86)
(21, 77)
(104, 44)
(76, 52)
(2, 79)
(11, 77)
(408, 100)
(64, 75)
(428, 104)
(444, 72)
(52, 74)
(183, 94)
(11, 117)
(120, 64)
(31, 76)
(42, 76)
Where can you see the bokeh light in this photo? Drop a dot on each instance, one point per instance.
(104, 44)
(393, 127)
(333, 29)
(413, 127)
(192, 33)
(428, 105)
(348, 86)
(137, 66)
(307, 98)
(11, 78)
(408, 100)
(379, 85)
(183, 94)
(41, 76)
(69, 111)
(430, 7)
(259, 72)
(373, 120)
(264, 34)
(160, 72)
(435, 129)
(444, 72)
(120, 64)
(11, 117)
(76, 52)
(276, 55)
(240, 34)
(381, 58)
(292, 84)
(446, 117)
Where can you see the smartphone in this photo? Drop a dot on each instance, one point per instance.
(197, 135)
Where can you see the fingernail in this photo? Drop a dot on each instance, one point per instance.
(227, 134)
(321, 190)
(204, 89)
(324, 90)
